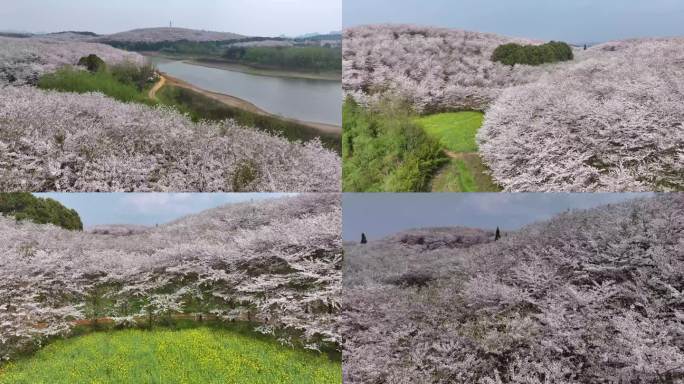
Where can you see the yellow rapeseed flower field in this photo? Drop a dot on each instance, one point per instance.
(200, 355)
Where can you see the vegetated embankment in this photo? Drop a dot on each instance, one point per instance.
(235, 102)
(588, 296)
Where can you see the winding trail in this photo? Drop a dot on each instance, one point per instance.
(152, 94)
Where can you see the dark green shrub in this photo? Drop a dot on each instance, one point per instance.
(551, 52)
(244, 175)
(92, 62)
(383, 150)
(131, 74)
(25, 206)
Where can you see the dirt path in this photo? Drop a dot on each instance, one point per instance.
(458, 155)
(245, 105)
(465, 172)
(152, 94)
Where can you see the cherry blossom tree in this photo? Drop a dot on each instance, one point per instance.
(431, 68)
(587, 296)
(275, 263)
(613, 121)
(54, 141)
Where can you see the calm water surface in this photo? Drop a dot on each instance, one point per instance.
(303, 99)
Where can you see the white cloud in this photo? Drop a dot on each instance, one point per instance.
(164, 202)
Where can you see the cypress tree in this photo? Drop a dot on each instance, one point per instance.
(363, 238)
(497, 235)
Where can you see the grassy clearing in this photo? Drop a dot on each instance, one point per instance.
(454, 130)
(464, 174)
(200, 355)
(68, 79)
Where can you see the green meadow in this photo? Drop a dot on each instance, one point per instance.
(196, 355)
(454, 130)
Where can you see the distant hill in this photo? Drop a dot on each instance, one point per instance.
(15, 34)
(156, 35)
(80, 33)
(410, 257)
(69, 35)
(319, 37)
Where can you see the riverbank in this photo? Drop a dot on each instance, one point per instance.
(236, 102)
(251, 70)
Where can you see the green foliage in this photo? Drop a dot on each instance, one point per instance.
(25, 206)
(312, 58)
(246, 172)
(204, 48)
(551, 52)
(132, 74)
(92, 62)
(384, 150)
(120, 82)
(455, 130)
(201, 107)
(202, 355)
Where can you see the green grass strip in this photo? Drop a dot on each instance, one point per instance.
(72, 80)
(454, 130)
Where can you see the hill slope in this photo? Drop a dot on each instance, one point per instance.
(157, 35)
(431, 68)
(275, 263)
(611, 121)
(589, 296)
(88, 142)
(22, 61)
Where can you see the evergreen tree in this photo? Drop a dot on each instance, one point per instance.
(25, 206)
(363, 238)
(497, 235)
(92, 62)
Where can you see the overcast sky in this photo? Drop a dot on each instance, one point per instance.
(568, 20)
(146, 208)
(247, 17)
(382, 214)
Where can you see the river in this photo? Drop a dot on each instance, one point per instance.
(317, 101)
